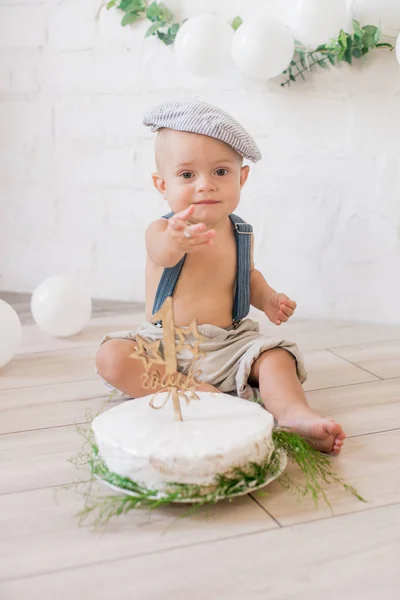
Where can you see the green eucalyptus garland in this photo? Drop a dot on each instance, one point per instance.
(162, 19)
(344, 48)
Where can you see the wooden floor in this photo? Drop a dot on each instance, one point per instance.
(258, 547)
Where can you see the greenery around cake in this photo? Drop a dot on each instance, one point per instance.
(315, 468)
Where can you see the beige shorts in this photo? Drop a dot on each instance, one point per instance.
(229, 354)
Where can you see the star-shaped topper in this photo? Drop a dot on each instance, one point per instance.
(178, 386)
(148, 353)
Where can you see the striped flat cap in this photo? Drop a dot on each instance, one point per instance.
(196, 116)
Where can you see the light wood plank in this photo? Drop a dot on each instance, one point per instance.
(59, 366)
(349, 557)
(325, 370)
(320, 334)
(362, 408)
(35, 340)
(45, 530)
(52, 405)
(21, 302)
(38, 459)
(370, 463)
(383, 358)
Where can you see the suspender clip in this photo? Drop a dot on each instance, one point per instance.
(249, 230)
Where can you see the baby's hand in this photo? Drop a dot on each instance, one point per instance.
(189, 237)
(279, 308)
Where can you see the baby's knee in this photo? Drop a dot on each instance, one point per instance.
(110, 360)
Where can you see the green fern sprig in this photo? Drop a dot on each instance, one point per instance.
(315, 467)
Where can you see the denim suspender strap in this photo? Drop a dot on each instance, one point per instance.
(243, 233)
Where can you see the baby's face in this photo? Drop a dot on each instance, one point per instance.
(200, 170)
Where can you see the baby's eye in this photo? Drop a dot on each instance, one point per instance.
(186, 175)
(221, 172)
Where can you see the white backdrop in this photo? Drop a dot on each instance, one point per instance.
(75, 161)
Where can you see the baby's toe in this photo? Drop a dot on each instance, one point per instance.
(337, 446)
(333, 428)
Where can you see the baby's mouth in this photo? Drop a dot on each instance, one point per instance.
(207, 202)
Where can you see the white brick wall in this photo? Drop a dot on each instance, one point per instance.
(75, 161)
(23, 26)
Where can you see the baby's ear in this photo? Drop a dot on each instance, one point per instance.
(158, 182)
(244, 173)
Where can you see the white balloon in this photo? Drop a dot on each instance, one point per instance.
(317, 21)
(61, 306)
(263, 47)
(10, 332)
(398, 49)
(203, 44)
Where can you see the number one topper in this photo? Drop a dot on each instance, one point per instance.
(166, 376)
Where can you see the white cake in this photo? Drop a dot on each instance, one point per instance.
(219, 432)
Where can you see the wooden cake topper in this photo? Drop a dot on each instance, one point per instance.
(179, 386)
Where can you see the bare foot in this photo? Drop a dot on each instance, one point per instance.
(323, 434)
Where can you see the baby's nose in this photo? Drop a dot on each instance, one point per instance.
(205, 183)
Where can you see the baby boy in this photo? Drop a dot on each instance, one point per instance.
(201, 253)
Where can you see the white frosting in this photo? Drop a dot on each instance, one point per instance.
(219, 432)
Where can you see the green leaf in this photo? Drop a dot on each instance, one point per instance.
(385, 45)
(357, 28)
(152, 12)
(292, 77)
(348, 56)
(369, 37)
(131, 5)
(173, 30)
(159, 12)
(377, 35)
(169, 37)
(303, 61)
(333, 46)
(152, 29)
(237, 22)
(129, 18)
(322, 63)
(370, 29)
(111, 4)
(164, 14)
(343, 39)
(341, 54)
(357, 53)
(368, 41)
(331, 58)
(358, 40)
